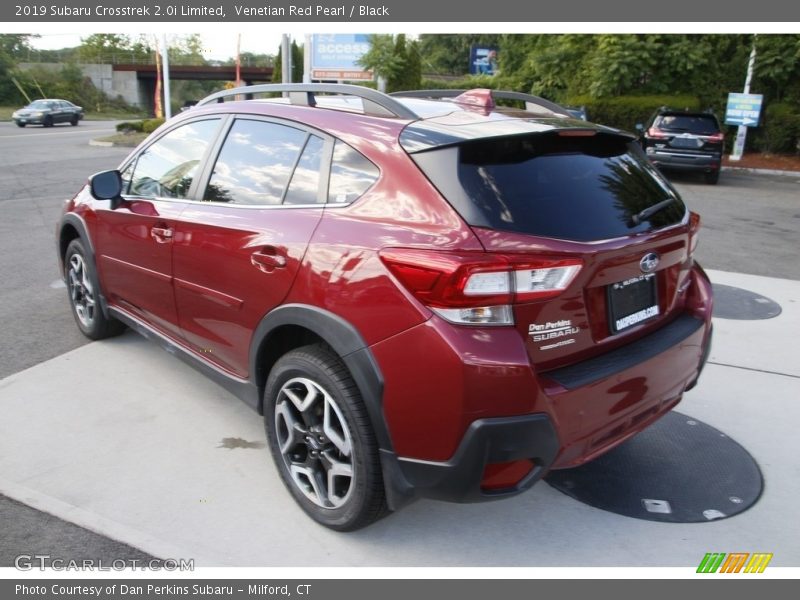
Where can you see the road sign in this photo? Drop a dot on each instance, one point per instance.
(743, 109)
(335, 56)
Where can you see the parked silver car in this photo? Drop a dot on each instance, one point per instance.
(48, 112)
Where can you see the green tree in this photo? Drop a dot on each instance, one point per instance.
(13, 47)
(777, 67)
(297, 64)
(448, 54)
(382, 58)
(187, 50)
(104, 48)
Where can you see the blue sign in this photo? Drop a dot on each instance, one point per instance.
(743, 109)
(336, 56)
(482, 60)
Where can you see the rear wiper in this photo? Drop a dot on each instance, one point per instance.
(650, 211)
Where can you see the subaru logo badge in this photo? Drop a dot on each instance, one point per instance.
(649, 262)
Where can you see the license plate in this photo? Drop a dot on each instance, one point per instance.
(632, 302)
(23, 120)
(686, 143)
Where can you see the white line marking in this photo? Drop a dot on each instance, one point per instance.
(28, 135)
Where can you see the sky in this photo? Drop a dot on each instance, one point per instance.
(218, 46)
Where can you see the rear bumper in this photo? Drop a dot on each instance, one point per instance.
(497, 440)
(470, 398)
(684, 161)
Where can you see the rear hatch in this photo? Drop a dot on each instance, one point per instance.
(563, 194)
(686, 133)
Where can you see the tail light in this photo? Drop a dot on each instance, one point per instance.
(715, 137)
(478, 288)
(694, 229)
(655, 132)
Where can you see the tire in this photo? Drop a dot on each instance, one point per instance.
(48, 121)
(83, 293)
(74, 121)
(319, 433)
(712, 177)
(21, 124)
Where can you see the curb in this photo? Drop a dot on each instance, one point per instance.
(762, 171)
(101, 144)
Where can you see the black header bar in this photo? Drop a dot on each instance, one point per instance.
(389, 11)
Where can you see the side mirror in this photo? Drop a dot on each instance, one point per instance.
(640, 128)
(106, 185)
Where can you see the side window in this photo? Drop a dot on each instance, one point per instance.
(167, 168)
(351, 174)
(304, 186)
(255, 163)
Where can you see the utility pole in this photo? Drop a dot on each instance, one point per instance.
(286, 59)
(741, 132)
(307, 59)
(165, 75)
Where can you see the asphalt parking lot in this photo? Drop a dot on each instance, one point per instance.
(86, 438)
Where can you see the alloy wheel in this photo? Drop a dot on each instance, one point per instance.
(315, 443)
(81, 290)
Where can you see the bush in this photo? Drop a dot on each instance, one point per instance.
(779, 131)
(150, 125)
(130, 126)
(624, 112)
(145, 126)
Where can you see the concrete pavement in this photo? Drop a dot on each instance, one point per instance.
(125, 440)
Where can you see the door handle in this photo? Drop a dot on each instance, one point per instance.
(162, 235)
(267, 261)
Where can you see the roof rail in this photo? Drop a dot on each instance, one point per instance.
(528, 99)
(304, 94)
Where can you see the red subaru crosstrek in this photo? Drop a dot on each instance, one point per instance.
(425, 296)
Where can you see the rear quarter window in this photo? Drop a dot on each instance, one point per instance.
(352, 174)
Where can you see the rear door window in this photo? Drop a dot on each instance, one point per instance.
(305, 183)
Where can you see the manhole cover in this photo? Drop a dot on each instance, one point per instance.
(735, 303)
(679, 470)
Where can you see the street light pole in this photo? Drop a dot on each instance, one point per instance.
(165, 75)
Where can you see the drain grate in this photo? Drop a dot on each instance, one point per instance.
(679, 470)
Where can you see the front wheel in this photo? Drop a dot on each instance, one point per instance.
(83, 288)
(322, 441)
(20, 124)
(48, 121)
(74, 121)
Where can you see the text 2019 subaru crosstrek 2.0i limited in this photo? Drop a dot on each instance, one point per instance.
(425, 296)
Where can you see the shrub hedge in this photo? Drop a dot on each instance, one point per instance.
(145, 126)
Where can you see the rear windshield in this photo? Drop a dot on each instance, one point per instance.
(572, 188)
(698, 124)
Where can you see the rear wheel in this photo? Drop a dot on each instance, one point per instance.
(83, 288)
(322, 441)
(712, 177)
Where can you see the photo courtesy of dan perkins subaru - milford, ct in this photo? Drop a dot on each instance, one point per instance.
(424, 294)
